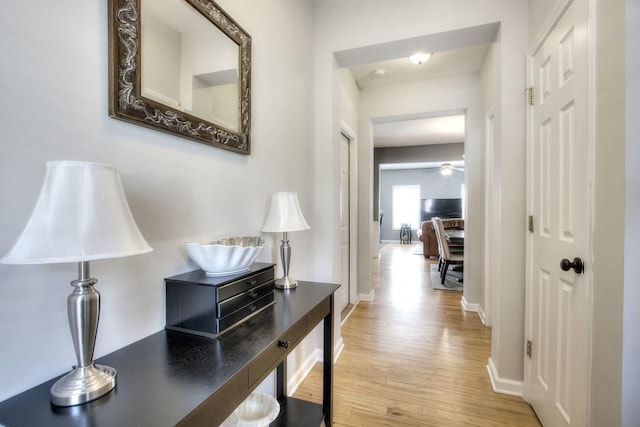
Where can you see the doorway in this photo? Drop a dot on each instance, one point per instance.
(347, 294)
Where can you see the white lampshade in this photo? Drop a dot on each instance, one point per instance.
(81, 215)
(285, 214)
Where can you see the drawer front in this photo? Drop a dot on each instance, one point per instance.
(232, 304)
(238, 315)
(231, 289)
(269, 359)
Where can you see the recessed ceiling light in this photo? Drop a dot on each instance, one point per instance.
(419, 58)
(379, 72)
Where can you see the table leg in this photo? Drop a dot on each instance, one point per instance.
(327, 367)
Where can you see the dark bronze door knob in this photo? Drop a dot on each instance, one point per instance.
(577, 265)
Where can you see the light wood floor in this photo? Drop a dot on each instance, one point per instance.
(413, 357)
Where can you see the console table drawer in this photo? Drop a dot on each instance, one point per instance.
(244, 312)
(243, 285)
(269, 359)
(237, 302)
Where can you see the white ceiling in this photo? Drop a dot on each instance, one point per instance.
(447, 63)
(454, 53)
(457, 164)
(427, 131)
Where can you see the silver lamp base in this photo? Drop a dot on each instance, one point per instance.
(83, 384)
(287, 282)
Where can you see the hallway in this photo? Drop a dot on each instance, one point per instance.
(413, 357)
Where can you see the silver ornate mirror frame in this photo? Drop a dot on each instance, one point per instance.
(126, 102)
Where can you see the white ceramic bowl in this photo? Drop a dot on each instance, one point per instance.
(226, 256)
(257, 410)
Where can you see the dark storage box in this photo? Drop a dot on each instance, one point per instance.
(209, 305)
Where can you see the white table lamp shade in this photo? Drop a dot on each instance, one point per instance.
(81, 215)
(285, 214)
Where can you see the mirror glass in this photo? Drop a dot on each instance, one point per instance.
(189, 64)
(183, 67)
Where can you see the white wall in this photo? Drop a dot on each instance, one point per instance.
(199, 57)
(349, 98)
(161, 48)
(631, 345)
(491, 110)
(54, 106)
(608, 228)
(538, 13)
(433, 185)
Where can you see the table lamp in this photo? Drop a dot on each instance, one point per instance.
(81, 215)
(285, 215)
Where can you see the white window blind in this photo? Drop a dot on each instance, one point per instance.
(406, 206)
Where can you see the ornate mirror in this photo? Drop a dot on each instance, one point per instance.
(183, 67)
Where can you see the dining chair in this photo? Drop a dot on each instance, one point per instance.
(447, 257)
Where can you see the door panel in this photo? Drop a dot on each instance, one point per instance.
(559, 190)
(343, 292)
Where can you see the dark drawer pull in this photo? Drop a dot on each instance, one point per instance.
(252, 308)
(251, 282)
(252, 295)
(284, 344)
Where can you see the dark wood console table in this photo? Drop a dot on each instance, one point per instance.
(174, 378)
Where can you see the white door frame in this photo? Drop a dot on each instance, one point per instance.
(553, 18)
(353, 211)
(489, 213)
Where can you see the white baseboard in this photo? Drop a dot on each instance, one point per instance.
(301, 373)
(483, 316)
(349, 313)
(337, 350)
(504, 385)
(468, 306)
(308, 364)
(368, 297)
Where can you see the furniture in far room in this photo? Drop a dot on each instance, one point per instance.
(447, 257)
(427, 235)
(454, 236)
(405, 234)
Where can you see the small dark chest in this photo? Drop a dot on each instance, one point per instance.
(209, 305)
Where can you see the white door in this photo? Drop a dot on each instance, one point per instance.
(343, 292)
(557, 300)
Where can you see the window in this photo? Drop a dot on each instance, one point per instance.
(406, 206)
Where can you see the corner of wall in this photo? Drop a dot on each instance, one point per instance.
(503, 385)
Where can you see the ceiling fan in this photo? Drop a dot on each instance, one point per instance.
(447, 169)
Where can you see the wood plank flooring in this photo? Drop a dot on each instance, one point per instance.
(413, 357)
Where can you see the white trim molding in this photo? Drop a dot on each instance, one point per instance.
(483, 316)
(307, 365)
(337, 351)
(466, 306)
(548, 26)
(368, 297)
(503, 385)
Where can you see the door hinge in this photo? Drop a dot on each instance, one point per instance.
(530, 95)
(529, 348)
(530, 226)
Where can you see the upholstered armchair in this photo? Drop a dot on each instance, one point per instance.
(428, 235)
